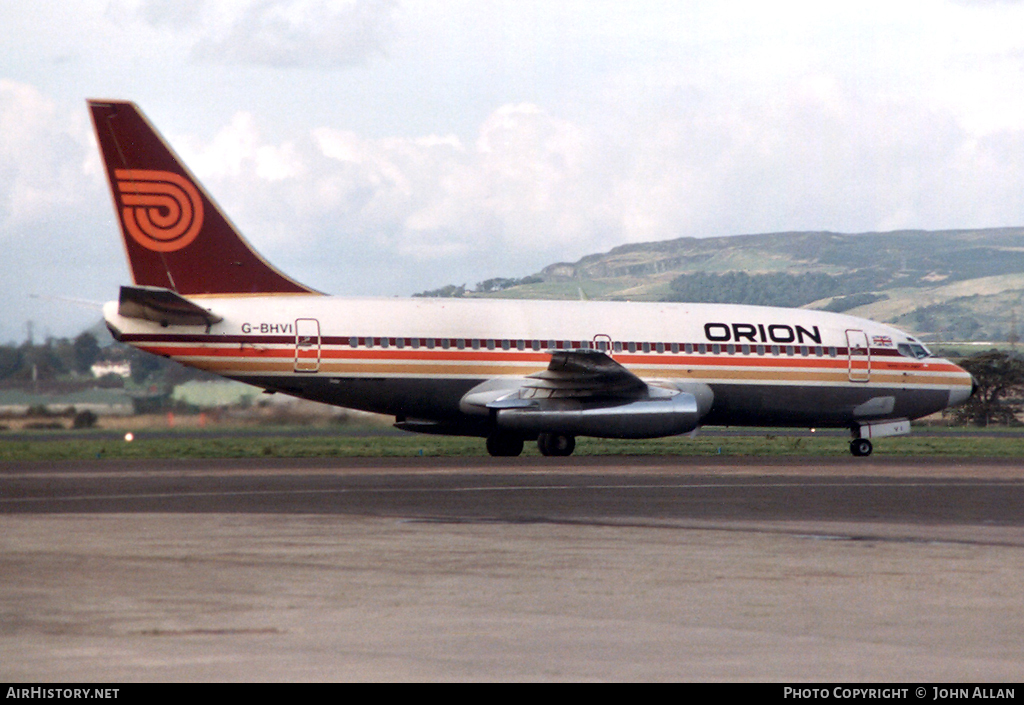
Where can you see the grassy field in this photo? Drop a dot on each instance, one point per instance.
(85, 445)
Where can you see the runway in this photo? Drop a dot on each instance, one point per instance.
(537, 489)
(495, 569)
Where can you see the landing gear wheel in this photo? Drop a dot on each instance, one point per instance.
(504, 444)
(556, 444)
(860, 447)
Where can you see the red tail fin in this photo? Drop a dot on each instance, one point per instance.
(175, 235)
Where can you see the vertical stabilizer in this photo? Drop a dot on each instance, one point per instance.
(174, 234)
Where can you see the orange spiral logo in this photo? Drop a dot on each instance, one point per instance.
(162, 210)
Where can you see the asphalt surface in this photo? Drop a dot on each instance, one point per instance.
(536, 489)
(787, 570)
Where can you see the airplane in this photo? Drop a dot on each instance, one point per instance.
(509, 371)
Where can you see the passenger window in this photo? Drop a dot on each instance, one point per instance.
(490, 344)
(430, 343)
(476, 343)
(505, 344)
(675, 348)
(647, 347)
(353, 342)
(660, 347)
(460, 344)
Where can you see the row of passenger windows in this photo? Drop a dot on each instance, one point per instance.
(602, 345)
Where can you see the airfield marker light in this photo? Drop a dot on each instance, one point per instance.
(129, 437)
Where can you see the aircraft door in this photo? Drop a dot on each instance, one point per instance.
(307, 345)
(858, 356)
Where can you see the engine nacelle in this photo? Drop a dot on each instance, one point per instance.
(646, 418)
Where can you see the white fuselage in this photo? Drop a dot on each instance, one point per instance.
(416, 358)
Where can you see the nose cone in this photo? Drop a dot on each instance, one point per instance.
(961, 393)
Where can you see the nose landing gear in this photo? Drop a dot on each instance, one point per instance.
(883, 428)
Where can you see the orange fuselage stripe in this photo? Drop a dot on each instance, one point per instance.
(247, 361)
(397, 356)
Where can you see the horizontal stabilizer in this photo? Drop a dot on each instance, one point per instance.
(163, 306)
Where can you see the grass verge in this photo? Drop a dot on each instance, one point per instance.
(84, 447)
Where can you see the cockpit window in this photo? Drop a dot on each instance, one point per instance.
(914, 350)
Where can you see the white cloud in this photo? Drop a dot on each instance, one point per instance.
(175, 14)
(532, 188)
(42, 158)
(56, 224)
(323, 33)
(490, 139)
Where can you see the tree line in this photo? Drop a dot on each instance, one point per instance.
(998, 398)
(53, 358)
(487, 286)
(70, 361)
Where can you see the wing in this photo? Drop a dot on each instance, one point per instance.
(586, 392)
(582, 374)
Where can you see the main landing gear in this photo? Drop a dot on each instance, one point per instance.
(505, 444)
(556, 444)
(860, 447)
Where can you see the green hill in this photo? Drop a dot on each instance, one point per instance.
(946, 285)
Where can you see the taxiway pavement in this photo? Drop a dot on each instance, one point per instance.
(494, 569)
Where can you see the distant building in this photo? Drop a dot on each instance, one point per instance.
(121, 369)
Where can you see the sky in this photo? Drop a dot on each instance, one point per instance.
(385, 147)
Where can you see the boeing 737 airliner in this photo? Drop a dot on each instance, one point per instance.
(508, 371)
